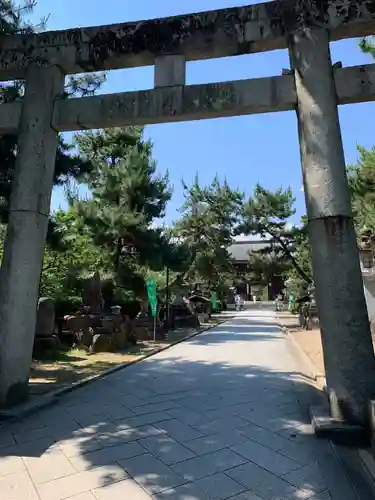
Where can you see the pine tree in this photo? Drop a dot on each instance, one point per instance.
(297, 283)
(12, 17)
(362, 185)
(13, 20)
(367, 46)
(77, 257)
(267, 214)
(207, 227)
(264, 265)
(127, 196)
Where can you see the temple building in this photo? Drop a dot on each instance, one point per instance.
(240, 251)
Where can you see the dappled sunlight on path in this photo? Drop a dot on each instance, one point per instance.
(220, 416)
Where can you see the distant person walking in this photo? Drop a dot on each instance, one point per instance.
(279, 302)
(254, 298)
(239, 302)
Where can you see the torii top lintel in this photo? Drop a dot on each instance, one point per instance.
(221, 33)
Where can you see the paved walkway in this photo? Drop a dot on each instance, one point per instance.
(220, 416)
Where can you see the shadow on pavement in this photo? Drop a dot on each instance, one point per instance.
(170, 427)
(236, 333)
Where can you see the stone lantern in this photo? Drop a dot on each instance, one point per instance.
(366, 246)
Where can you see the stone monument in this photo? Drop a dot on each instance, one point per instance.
(45, 341)
(92, 293)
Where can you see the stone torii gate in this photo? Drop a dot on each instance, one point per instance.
(313, 88)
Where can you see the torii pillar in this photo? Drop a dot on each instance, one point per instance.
(346, 337)
(27, 229)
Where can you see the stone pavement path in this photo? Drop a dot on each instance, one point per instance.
(221, 416)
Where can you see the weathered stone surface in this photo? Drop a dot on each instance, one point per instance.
(91, 293)
(220, 33)
(10, 117)
(83, 327)
(142, 333)
(174, 104)
(45, 347)
(346, 337)
(194, 102)
(353, 85)
(122, 335)
(116, 310)
(101, 343)
(27, 228)
(143, 329)
(85, 336)
(45, 318)
(108, 325)
(77, 323)
(169, 71)
(337, 431)
(203, 317)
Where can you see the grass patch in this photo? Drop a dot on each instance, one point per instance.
(71, 365)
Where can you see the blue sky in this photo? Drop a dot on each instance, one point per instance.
(245, 150)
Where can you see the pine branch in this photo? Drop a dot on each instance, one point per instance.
(367, 46)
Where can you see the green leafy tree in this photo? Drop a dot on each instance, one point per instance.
(208, 224)
(13, 20)
(64, 269)
(267, 214)
(12, 17)
(175, 259)
(361, 178)
(127, 196)
(263, 266)
(296, 283)
(175, 255)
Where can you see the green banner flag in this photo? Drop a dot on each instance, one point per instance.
(214, 301)
(152, 297)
